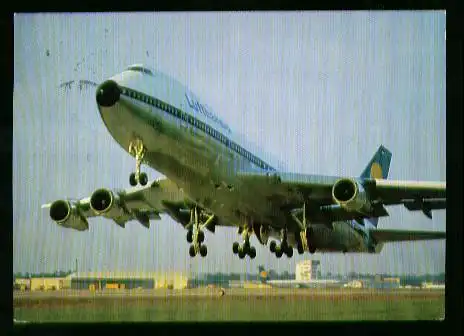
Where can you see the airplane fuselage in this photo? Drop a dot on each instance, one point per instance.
(191, 146)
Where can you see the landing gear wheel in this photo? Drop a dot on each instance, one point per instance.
(132, 180)
(137, 149)
(278, 253)
(235, 247)
(201, 236)
(190, 236)
(289, 252)
(203, 251)
(143, 179)
(272, 246)
(192, 251)
(246, 248)
(300, 249)
(252, 252)
(311, 249)
(241, 253)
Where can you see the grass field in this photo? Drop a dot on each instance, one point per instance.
(238, 307)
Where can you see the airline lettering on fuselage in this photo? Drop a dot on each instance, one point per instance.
(194, 104)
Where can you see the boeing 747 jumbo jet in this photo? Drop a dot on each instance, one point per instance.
(213, 179)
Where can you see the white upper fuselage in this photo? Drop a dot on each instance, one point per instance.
(194, 148)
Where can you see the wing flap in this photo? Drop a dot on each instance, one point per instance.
(385, 236)
(426, 206)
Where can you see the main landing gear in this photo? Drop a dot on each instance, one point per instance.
(279, 250)
(138, 149)
(305, 241)
(245, 248)
(196, 236)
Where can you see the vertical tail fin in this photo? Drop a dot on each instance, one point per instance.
(378, 168)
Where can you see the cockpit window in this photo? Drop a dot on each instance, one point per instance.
(140, 68)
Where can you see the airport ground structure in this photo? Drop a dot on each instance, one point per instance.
(307, 275)
(106, 280)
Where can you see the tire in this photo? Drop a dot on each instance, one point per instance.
(272, 246)
(300, 249)
(289, 252)
(143, 179)
(132, 180)
(235, 247)
(201, 236)
(241, 253)
(246, 248)
(203, 251)
(192, 251)
(252, 252)
(189, 236)
(284, 246)
(278, 253)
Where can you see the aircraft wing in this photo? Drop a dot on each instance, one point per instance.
(357, 197)
(137, 203)
(385, 236)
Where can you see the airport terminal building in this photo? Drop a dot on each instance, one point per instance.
(105, 280)
(128, 280)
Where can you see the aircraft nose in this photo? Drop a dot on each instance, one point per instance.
(108, 93)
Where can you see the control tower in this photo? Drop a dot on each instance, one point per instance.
(307, 270)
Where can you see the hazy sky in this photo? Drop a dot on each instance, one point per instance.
(319, 90)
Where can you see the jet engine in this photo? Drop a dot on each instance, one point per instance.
(350, 195)
(67, 215)
(104, 202)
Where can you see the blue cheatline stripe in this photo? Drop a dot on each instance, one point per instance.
(196, 123)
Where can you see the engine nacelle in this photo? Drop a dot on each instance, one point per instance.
(350, 195)
(66, 214)
(104, 202)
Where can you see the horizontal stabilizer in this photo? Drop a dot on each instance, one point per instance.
(385, 236)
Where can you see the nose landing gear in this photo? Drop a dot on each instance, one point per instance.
(138, 149)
